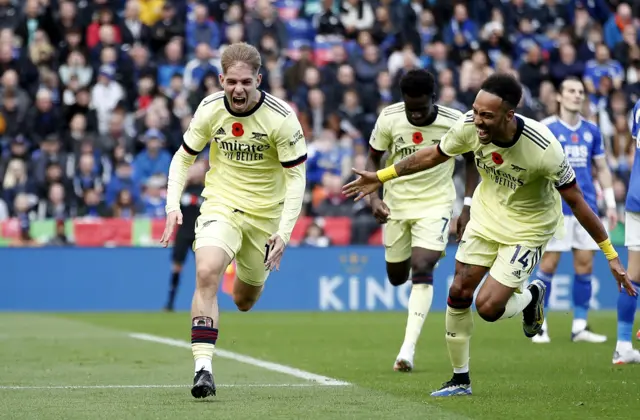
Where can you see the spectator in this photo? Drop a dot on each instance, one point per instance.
(154, 159)
(201, 30)
(92, 206)
(154, 196)
(197, 67)
(105, 95)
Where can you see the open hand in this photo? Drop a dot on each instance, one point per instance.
(174, 218)
(621, 277)
(363, 186)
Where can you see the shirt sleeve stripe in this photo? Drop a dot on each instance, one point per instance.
(376, 151)
(567, 185)
(189, 149)
(441, 151)
(295, 162)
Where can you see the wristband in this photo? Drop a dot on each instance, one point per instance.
(609, 198)
(608, 249)
(387, 173)
(467, 201)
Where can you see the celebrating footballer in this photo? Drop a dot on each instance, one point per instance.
(252, 197)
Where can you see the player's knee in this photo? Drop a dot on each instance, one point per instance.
(243, 304)
(489, 311)
(460, 297)
(422, 271)
(207, 275)
(398, 273)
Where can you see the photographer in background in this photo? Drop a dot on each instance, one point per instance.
(190, 208)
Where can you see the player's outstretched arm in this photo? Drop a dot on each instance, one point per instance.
(572, 195)
(368, 182)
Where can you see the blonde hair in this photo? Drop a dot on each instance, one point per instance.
(243, 53)
(16, 174)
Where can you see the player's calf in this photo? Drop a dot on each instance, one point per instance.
(246, 294)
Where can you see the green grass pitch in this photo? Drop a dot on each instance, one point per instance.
(88, 366)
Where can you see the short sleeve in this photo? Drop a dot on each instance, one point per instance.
(598, 145)
(198, 133)
(456, 142)
(381, 137)
(556, 167)
(290, 142)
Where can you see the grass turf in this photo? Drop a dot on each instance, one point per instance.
(512, 378)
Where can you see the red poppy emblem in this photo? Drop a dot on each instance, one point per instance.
(417, 137)
(574, 138)
(497, 159)
(237, 129)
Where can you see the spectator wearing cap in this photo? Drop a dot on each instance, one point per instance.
(154, 159)
(105, 95)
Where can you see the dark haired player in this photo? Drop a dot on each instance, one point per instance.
(417, 209)
(516, 210)
(190, 203)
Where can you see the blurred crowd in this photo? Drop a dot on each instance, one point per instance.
(95, 94)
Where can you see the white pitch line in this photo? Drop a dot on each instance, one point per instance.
(275, 367)
(152, 386)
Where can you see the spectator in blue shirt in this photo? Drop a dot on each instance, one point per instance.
(196, 68)
(601, 66)
(154, 159)
(173, 64)
(122, 180)
(201, 30)
(615, 25)
(461, 25)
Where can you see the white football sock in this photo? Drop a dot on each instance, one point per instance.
(516, 303)
(203, 362)
(578, 325)
(623, 346)
(418, 308)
